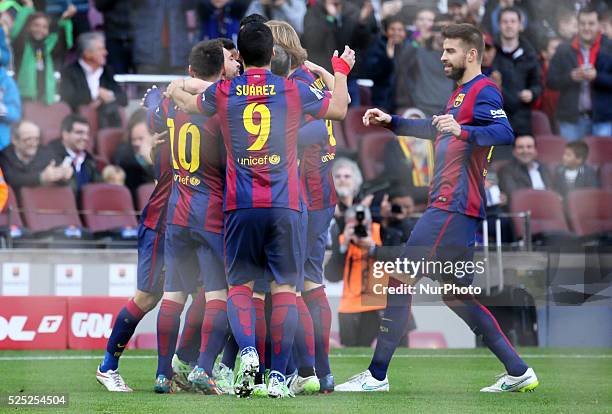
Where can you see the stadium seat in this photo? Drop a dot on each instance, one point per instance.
(589, 211)
(546, 211)
(540, 124)
(107, 141)
(107, 207)
(15, 216)
(600, 150)
(354, 129)
(605, 175)
(372, 152)
(365, 96)
(143, 194)
(47, 117)
(90, 113)
(497, 165)
(550, 148)
(427, 340)
(48, 208)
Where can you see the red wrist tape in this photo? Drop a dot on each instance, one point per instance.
(339, 65)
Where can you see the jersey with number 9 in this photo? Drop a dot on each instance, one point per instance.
(260, 115)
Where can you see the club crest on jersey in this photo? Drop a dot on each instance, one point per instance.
(458, 100)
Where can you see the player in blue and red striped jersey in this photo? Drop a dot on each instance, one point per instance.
(150, 277)
(194, 236)
(473, 123)
(260, 115)
(312, 337)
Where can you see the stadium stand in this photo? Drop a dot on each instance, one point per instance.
(49, 208)
(107, 207)
(546, 212)
(589, 211)
(107, 141)
(372, 152)
(47, 117)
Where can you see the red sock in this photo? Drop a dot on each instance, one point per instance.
(168, 321)
(282, 329)
(188, 346)
(260, 331)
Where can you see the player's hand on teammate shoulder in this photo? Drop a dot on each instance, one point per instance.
(446, 124)
(376, 117)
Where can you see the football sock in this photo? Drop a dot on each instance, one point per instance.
(125, 325)
(241, 315)
(230, 351)
(482, 322)
(393, 327)
(260, 331)
(168, 322)
(189, 343)
(304, 336)
(214, 334)
(282, 329)
(321, 315)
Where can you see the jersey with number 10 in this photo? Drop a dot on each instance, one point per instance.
(260, 115)
(196, 198)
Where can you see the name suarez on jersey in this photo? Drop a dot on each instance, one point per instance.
(255, 90)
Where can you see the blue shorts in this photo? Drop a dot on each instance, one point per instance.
(446, 237)
(193, 258)
(150, 273)
(316, 241)
(263, 243)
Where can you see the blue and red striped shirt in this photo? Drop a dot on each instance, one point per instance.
(317, 160)
(460, 165)
(154, 213)
(196, 198)
(260, 115)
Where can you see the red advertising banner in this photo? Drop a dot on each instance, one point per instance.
(91, 319)
(33, 322)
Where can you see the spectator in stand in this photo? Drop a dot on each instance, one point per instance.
(547, 103)
(460, 12)
(290, 11)
(567, 24)
(582, 72)
(332, 24)
(423, 23)
(3, 191)
(37, 51)
(420, 79)
(606, 23)
(573, 172)
(118, 34)
(347, 181)
(488, 58)
(221, 18)
(492, 20)
(10, 103)
(516, 60)
(380, 62)
(409, 162)
(523, 171)
(55, 8)
(133, 155)
(160, 32)
(112, 174)
(90, 81)
(27, 164)
(71, 150)
(396, 211)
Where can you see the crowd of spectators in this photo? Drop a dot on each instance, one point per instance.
(554, 57)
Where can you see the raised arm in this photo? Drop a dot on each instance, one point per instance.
(420, 128)
(338, 104)
(186, 92)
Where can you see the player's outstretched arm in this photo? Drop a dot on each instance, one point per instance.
(320, 71)
(420, 128)
(338, 104)
(182, 98)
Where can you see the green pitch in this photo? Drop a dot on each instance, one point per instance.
(435, 381)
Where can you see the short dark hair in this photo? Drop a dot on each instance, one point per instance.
(227, 43)
(510, 9)
(252, 18)
(579, 148)
(468, 34)
(388, 21)
(70, 120)
(206, 59)
(255, 44)
(535, 143)
(590, 9)
(281, 61)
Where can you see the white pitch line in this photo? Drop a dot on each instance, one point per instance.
(339, 356)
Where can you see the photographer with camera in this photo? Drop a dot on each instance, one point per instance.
(352, 258)
(396, 210)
